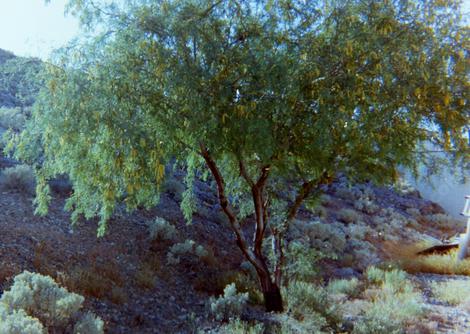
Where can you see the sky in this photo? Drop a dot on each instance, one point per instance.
(33, 28)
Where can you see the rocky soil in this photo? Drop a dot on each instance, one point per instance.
(114, 272)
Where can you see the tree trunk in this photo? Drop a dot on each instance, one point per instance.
(270, 289)
(271, 293)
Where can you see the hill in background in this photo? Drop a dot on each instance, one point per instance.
(19, 86)
(19, 82)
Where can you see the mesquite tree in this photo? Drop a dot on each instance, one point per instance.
(265, 96)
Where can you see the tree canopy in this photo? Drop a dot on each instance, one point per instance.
(254, 93)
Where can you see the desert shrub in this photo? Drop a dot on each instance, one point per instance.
(395, 303)
(347, 194)
(301, 261)
(390, 279)
(244, 279)
(12, 118)
(230, 305)
(379, 221)
(367, 192)
(444, 222)
(18, 322)
(41, 298)
(390, 312)
(453, 292)
(19, 178)
(362, 252)
(348, 216)
(393, 278)
(309, 303)
(312, 323)
(344, 286)
(320, 211)
(174, 187)
(237, 326)
(391, 224)
(413, 212)
(365, 205)
(89, 324)
(160, 229)
(390, 219)
(187, 250)
(326, 200)
(312, 242)
(358, 231)
(328, 239)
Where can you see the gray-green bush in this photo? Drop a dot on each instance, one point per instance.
(230, 305)
(18, 322)
(237, 326)
(395, 304)
(160, 229)
(309, 303)
(186, 250)
(344, 286)
(19, 178)
(35, 300)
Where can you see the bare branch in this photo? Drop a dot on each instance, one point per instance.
(244, 173)
(241, 241)
(278, 234)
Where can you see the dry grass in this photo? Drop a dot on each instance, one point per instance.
(87, 282)
(145, 277)
(446, 264)
(43, 259)
(454, 292)
(8, 271)
(118, 295)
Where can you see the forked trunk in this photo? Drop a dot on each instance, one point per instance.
(270, 289)
(271, 293)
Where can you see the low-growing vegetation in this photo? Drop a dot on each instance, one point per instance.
(240, 163)
(393, 303)
(36, 304)
(348, 216)
(230, 305)
(237, 326)
(19, 178)
(454, 292)
(349, 287)
(161, 230)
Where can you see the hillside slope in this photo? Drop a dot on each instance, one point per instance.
(139, 282)
(128, 281)
(19, 83)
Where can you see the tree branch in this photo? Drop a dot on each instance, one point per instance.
(260, 209)
(244, 173)
(241, 241)
(278, 234)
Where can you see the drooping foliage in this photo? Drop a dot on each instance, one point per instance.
(254, 93)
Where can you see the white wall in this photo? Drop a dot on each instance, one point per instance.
(445, 190)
